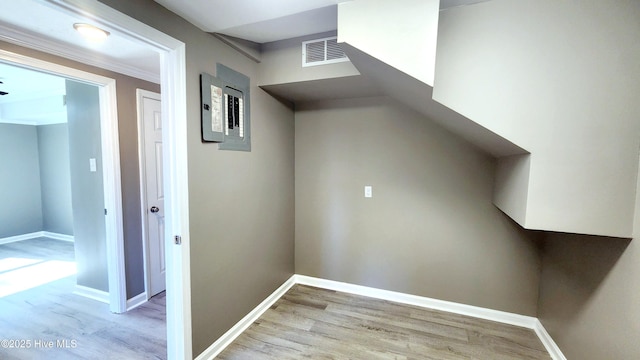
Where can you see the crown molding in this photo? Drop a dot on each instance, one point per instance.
(38, 42)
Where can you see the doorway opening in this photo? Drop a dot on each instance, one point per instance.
(52, 188)
(95, 166)
(173, 82)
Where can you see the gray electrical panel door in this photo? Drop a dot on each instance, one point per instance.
(225, 109)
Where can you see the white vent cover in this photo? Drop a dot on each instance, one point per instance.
(322, 51)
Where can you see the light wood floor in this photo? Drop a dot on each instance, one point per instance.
(315, 323)
(89, 330)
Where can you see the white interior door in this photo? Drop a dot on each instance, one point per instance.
(154, 195)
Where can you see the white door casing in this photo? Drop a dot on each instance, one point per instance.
(110, 166)
(174, 104)
(152, 191)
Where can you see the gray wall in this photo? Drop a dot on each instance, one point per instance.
(83, 114)
(55, 178)
(589, 294)
(20, 198)
(128, 133)
(30, 156)
(241, 206)
(430, 228)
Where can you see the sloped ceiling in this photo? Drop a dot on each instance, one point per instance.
(267, 20)
(258, 21)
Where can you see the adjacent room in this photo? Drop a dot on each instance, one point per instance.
(37, 226)
(51, 190)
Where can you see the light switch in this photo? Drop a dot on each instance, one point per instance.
(92, 165)
(368, 191)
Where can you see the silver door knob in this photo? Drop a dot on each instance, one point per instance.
(154, 209)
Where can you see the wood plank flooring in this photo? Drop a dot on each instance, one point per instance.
(315, 323)
(77, 327)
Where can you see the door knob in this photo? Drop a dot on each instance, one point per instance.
(154, 209)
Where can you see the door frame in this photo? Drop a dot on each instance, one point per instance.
(174, 121)
(140, 95)
(110, 164)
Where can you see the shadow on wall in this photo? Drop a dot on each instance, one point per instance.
(579, 265)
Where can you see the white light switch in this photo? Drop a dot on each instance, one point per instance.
(92, 165)
(368, 191)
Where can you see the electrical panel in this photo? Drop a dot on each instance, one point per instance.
(225, 109)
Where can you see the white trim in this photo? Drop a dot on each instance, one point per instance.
(176, 182)
(35, 235)
(22, 237)
(110, 166)
(57, 236)
(113, 197)
(81, 55)
(547, 341)
(92, 293)
(217, 347)
(140, 95)
(478, 312)
(174, 121)
(528, 322)
(174, 109)
(137, 300)
(429, 303)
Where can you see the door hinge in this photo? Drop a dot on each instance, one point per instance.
(105, 211)
(177, 239)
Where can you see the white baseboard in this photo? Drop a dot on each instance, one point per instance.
(15, 238)
(91, 293)
(56, 236)
(547, 341)
(228, 337)
(528, 322)
(136, 301)
(35, 235)
(448, 306)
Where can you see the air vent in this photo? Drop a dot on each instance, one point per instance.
(322, 51)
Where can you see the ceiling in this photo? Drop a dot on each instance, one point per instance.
(40, 19)
(37, 98)
(23, 83)
(268, 20)
(259, 21)
(34, 98)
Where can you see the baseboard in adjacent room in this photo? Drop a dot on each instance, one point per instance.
(22, 237)
(91, 293)
(528, 322)
(136, 301)
(35, 235)
(56, 236)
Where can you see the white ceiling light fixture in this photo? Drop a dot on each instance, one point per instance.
(91, 32)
